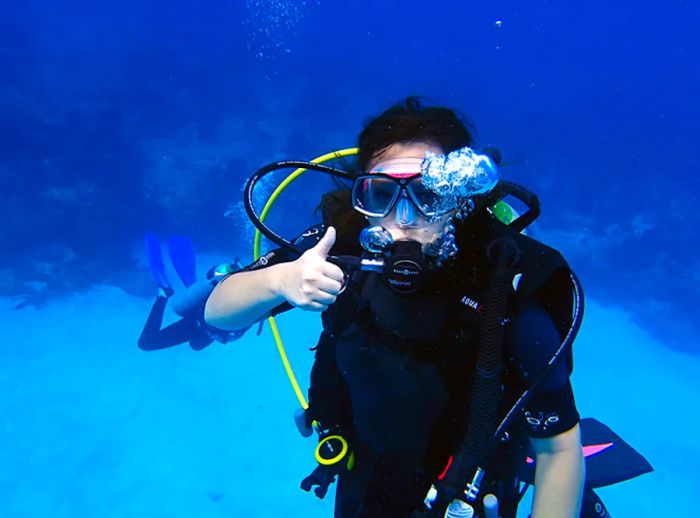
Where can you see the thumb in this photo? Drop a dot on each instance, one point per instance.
(323, 247)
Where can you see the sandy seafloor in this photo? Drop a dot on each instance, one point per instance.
(93, 427)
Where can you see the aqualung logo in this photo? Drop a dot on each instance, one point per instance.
(406, 267)
(405, 271)
(471, 303)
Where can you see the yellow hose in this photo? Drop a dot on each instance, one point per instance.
(334, 155)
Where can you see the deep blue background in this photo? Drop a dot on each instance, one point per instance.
(119, 119)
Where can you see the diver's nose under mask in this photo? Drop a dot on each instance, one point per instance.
(405, 212)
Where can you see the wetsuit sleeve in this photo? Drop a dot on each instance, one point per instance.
(531, 342)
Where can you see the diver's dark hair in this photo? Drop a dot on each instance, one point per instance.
(411, 121)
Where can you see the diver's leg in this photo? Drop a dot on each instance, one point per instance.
(152, 337)
(152, 326)
(199, 338)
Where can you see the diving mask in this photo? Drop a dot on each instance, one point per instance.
(396, 184)
(435, 184)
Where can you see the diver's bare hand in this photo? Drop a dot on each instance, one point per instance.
(311, 282)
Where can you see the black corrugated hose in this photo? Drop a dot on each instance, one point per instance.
(474, 452)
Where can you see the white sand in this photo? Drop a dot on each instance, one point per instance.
(92, 426)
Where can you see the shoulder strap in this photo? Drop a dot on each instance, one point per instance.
(543, 271)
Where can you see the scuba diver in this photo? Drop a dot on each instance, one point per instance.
(188, 304)
(440, 385)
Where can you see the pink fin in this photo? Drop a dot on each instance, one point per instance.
(595, 448)
(587, 450)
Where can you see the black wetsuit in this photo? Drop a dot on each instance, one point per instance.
(402, 402)
(191, 328)
(408, 408)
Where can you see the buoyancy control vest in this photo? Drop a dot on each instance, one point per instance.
(394, 372)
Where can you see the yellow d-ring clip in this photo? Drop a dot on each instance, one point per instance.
(334, 460)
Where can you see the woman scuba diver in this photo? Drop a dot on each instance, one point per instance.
(445, 352)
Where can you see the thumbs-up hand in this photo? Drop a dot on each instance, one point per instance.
(311, 282)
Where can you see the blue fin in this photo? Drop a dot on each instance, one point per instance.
(182, 256)
(155, 261)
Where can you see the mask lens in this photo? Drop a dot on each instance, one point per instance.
(427, 201)
(374, 195)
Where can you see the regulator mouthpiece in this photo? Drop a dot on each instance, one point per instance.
(376, 239)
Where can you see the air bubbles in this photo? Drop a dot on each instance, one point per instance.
(460, 174)
(270, 23)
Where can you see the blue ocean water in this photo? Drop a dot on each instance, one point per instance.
(122, 119)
